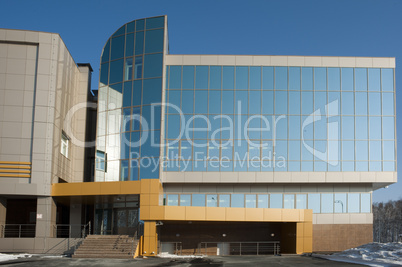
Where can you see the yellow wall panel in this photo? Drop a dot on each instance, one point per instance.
(307, 245)
(154, 199)
(130, 187)
(154, 186)
(195, 213)
(273, 215)
(299, 245)
(308, 229)
(156, 213)
(91, 188)
(150, 228)
(144, 200)
(308, 215)
(175, 213)
(254, 215)
(145, 213)
(110, 188)
(289, 215)
(67, 189)
(299, 230)
(215, 214)
(145, 186)
(235, 214)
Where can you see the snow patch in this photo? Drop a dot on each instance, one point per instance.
(10, 257)
(372, 254)
(173, 256)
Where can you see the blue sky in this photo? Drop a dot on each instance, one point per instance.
(282, 27)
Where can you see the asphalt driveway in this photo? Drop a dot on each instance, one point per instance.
(215, 261)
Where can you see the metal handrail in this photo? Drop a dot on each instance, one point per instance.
(65, 230)
(18, 230)
(178, 245)
(242, 247)
(132, 245)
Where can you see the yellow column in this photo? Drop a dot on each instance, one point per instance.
(304, 233)
(150, 212)
(150, 239)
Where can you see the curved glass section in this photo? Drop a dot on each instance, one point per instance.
(130, 93)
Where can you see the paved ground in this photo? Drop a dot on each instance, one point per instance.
(255, 261)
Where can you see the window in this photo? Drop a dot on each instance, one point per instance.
(128, 69)
(173, 200)
(100, 162)
(64, 144)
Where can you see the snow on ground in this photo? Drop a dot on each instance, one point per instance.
(9, 257)
(167, 255)
(372, 254)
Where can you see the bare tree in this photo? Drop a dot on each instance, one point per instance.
(387, 222)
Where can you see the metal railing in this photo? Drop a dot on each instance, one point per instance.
(18, 230)
(72, 230)
(132, 245)
(172, 247)
(239, 248)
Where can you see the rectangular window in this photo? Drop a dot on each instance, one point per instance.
(263, 201)
(173, 200)
(237, 201)
(185, 200)
(255, 78)
(387, 79)
(281, 78)
(347, 79)
(201, 77)
(353, 203)
(314, 202)
(301, 201)
(340, 203)
(215, 77)
(289, 201)
(320, 79)
(327, 203)
(365, 203)
(128, 69)
(124, 170)
(251, 201)
(64, 144)
(228, 77)
(138, 68)
(294, 78)
(100, 162)
(224, 201)
(212, 200)
(241, 77)
(275, 201)
(268, 78)
(198, 200)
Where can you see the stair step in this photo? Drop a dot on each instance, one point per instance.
(114, 247)
(102, 256)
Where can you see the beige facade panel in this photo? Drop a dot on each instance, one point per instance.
(343, 218)
(301, 61)
(378, 179)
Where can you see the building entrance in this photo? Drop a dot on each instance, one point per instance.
(119, 217)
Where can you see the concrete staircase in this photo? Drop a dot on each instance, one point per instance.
(107, 246)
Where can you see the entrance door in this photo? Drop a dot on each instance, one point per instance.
(125, 221)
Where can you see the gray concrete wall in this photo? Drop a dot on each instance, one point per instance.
(57, 246)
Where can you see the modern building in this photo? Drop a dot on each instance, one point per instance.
(231, 154)
(39, 85)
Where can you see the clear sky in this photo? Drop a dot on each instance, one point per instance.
(281, 27)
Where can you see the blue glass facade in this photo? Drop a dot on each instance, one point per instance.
(130, 93)
(252, 118)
